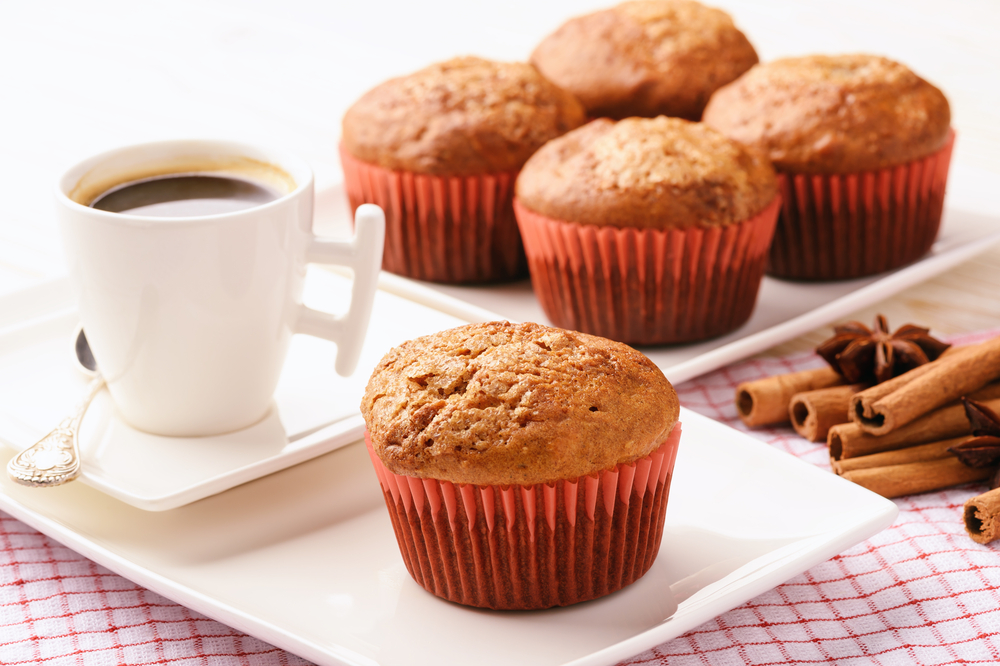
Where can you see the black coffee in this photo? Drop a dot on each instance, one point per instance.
(184, 196)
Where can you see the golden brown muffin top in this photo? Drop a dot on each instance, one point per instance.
(466, 116)
(833, 114)
(647, 173)
(502, 403)
(646, 58)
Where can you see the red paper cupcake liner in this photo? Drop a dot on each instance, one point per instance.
(442, 228)
(647, 286)
(531, 547)
(834, 227)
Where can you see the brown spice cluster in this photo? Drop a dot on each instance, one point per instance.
(935, 426)
(862, 354)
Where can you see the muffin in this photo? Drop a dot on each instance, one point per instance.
(648, 230)
(646, 58)
(523, 466)
(862, 147)
(439, 150)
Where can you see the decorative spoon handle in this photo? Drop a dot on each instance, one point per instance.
(55, 458)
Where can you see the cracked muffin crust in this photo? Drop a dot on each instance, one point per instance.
(465, 116)
(647, 173)
(646, 58)
(501, 403)
(833, 114)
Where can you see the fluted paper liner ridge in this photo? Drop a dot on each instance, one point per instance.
(451, 229)
(531, 547)
(644, 285)
(839, 226)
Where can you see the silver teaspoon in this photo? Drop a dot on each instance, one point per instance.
(55, 458)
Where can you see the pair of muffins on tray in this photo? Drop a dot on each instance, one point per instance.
(647, 229)
(525, 466)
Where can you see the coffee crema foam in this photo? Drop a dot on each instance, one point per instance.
(104, 178)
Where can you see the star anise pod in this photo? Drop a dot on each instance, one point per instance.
(862, 354)
(983, 450)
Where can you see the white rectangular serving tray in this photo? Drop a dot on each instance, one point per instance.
(306, 558)
(785, 309)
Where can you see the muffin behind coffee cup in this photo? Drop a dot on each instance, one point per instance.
(439, 150)
(523, 466)
(648, 230)
(862, 147)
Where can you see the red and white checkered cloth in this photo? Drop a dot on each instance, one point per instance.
(920, 592)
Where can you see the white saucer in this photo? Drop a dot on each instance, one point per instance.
(314, 410)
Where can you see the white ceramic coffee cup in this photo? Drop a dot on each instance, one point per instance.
(190, 318)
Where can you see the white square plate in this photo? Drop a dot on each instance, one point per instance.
(306, 558)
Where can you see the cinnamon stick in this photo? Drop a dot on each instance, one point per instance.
(912, 454)
(812, 413)
(918, 477)
(861, 403)
(848, 440)
(982, 516)
(948, 378)
(765, 401)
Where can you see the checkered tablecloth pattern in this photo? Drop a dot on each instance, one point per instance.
(920, 592)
